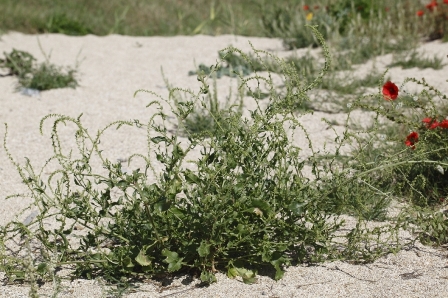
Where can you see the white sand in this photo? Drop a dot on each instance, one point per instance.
(112, 69)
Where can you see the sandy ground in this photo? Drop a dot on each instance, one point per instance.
(112, 68)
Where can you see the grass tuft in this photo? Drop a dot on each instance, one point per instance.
(44, 76)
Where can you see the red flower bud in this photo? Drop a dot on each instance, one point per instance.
(434, 125)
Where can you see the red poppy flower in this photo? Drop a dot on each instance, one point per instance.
(420, 13)
(427, 121)
(432, 5)
(444, 123)
(434, 125)
(306, 7)
(411, 139)
(445, 1)
(390, 91)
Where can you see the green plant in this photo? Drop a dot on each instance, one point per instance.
(20, 63)
(48, 76)
(44, 76)
(246, 187)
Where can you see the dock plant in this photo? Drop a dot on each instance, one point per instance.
(252, 200)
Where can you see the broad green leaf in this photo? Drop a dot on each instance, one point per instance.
(127, 262)
(232, 272)
(173, 260)
(178, 153)
(175, 266)
(279, 272)
(142, 258)
(248, 276)
(279, 260)
(296, 207)
(175, 186)
(208, 277)
(122, 183)
(170, 255)
(162, 206)
(204, 249)
(176, 212)
(191, 177)
(158, 139)
(242, 229)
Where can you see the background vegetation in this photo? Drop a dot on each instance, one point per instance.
(187, 17)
